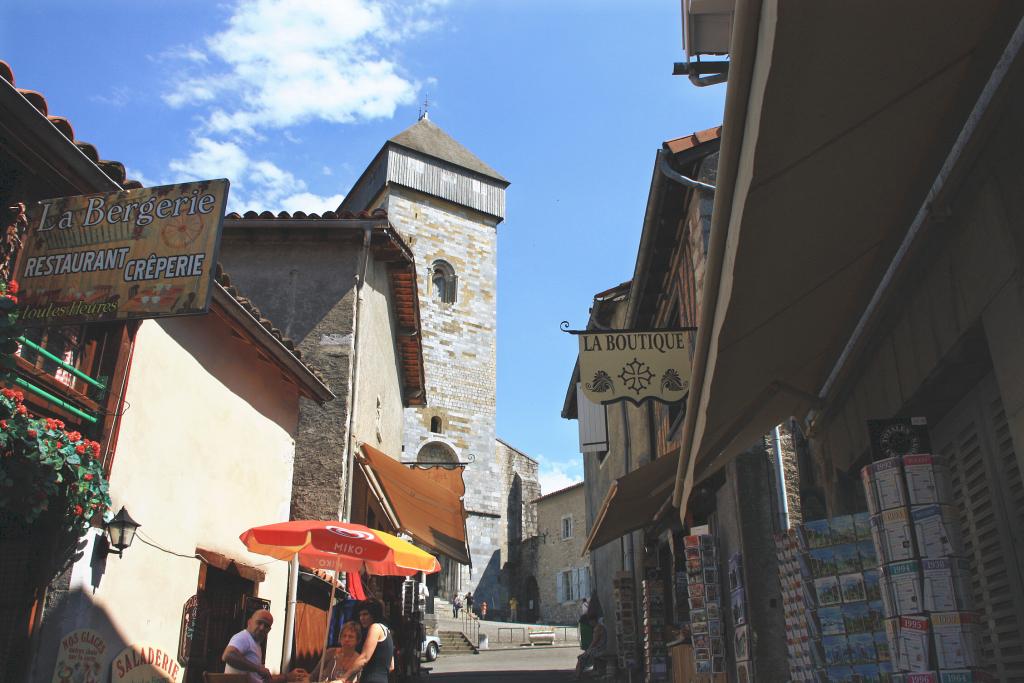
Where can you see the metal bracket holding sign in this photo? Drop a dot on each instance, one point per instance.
(634, 365)
(132, 254)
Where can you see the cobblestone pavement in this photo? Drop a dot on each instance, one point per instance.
(533, 664)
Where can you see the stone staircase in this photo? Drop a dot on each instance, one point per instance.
(456, 643)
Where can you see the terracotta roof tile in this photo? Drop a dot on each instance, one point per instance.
(113, 169)
(692, 140)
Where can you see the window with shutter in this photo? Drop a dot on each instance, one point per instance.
(560, 586)
(989, 495)
(592, 421)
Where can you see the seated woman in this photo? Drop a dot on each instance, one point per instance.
(377, 656)
(596, 648)
(337, 660)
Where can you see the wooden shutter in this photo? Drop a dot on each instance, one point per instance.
(560, 586)
(989, 496)
(593, 423)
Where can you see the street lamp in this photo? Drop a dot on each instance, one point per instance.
(120, 532)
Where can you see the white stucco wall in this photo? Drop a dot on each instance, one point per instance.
(378, 375)
(205, 452)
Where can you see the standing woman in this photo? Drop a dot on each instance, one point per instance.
(377, 656)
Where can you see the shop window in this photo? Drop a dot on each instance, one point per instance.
(443, 282)
(566, 527)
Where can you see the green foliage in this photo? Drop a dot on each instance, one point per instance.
(41, 463)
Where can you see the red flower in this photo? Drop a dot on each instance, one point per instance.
(59, 445)
(12, 287)
(59, 424)
(95, 445)
(12, 298)
(22, 410)
(87, 477)
(31, 433)
(74, 436)
(3, 424)
(80, 449)
(7, 392)
(19, 395)
(79, 510)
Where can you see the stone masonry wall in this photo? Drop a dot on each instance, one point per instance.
(459, 348)
(307, 289)
(556, 554)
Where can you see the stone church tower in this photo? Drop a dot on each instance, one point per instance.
(447, 204)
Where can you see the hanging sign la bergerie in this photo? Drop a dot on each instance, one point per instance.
(635, 366)
(144, 253)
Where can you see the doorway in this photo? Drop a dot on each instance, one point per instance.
(222, 599)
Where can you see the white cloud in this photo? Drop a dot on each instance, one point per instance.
(256, 184)
(284, 62)
(310, 203)
(555, 475)
(211, 159)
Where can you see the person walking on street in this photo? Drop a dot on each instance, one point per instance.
(483, 609)
(512, 605)
(456, 606)
(598, 641)
(469, 602)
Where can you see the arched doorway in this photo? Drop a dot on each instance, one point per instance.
(436, 453)
(515, 514)
(530, 609)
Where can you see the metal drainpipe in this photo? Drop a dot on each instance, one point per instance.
(675, 175)
(289, 612)
(783, 496)
(354, 372)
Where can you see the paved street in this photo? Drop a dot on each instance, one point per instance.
(537, 665)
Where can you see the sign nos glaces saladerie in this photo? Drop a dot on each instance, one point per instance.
(635, 366)
(145, 253)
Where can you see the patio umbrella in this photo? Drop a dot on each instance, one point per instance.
(340, 546)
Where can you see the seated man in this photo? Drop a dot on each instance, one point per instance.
(244, 654)
(596, 648)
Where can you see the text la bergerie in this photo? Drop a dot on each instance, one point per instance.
(141, 213)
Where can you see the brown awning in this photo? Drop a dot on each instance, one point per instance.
(817, 188)
(633, 501)
(427, 502)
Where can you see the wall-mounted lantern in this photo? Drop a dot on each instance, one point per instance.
(120, 532)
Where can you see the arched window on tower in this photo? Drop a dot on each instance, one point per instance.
(443, 282)
(435, 425)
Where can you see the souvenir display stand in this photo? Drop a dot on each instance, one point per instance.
(932, 633)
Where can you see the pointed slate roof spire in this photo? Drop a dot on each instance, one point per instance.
(426, 137)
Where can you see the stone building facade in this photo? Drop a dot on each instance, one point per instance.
(304, 271)
(447, 204)
(563, 571)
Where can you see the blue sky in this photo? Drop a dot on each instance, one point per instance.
(567, 99)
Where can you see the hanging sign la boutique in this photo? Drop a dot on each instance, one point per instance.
(133, 254)
(635, 366)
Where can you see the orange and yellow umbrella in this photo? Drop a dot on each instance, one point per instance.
(340, 546)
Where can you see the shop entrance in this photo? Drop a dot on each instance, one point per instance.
(221, 615)
(529, 610)
(989, 495)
